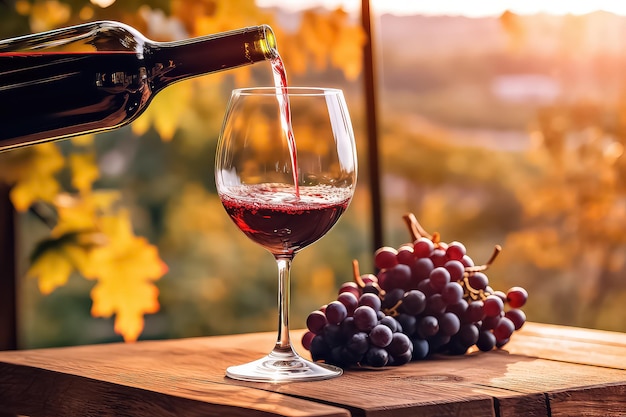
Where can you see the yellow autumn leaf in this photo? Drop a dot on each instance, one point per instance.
(84, 170)
(128, 300)
(35, 188)
(54, 265)
(38, 182)
(82, 213)
(125, 268)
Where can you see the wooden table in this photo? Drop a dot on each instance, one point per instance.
(545, 370)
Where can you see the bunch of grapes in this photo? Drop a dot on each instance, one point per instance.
(427, 297)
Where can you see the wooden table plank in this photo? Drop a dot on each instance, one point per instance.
(568, 344)
(166, 378)
(186, 377)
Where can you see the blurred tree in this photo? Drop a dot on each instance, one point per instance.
(574, 208)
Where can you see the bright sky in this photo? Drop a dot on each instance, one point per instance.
(465, 7)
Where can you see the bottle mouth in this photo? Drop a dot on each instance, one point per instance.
(269, 47)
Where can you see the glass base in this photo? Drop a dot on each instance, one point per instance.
(282, 367)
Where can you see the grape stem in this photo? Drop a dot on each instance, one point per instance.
(496, 251)
(359, 281)
(415, 228)
(470, 292)
(393, 311)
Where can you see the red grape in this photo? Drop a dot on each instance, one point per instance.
(516, 297)
(385, 257)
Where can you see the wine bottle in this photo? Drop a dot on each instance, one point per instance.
(103, 75)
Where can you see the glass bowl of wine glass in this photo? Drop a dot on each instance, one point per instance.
(286, 170)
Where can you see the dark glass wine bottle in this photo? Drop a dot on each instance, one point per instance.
(102, 75)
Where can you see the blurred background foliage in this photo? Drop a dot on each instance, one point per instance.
(515, 140)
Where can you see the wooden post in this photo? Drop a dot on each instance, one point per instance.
(369, 77)
(8, 295)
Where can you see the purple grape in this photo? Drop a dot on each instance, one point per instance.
(425, 287)
(449, 324)
(377, 357)
(486, 341)
(336, 312)
(456, 270)
(408, 323)
(478, 280)
(420, 348)
(348, 328)
(459, 308)
(371, 300)
(439, 277)
(397, 277)
(475, 312)
(452, 293)
(402, 359)
(381, 335)
(365, 318)
(333, 335)
(400, 343)
(468, 334)
(319, 348)
(517, 316)
(391, 322)
(428, 326)
(493, 306)
(504, 329)
(316, 321)
(490, 323)
(344, 357)
(421, 269)
(392, 297)
(307, 338)
(349, 300)
(435, 305)
(467, 261)
(413, 302)
(358, 343)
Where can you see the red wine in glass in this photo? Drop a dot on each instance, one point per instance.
(270, 216)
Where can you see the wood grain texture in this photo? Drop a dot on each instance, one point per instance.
(568, 344)
(541, 373)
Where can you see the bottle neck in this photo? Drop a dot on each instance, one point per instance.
(175, 61)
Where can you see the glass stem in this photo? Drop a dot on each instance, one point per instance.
(283, 343)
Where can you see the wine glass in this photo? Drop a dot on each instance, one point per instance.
(286, 170)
